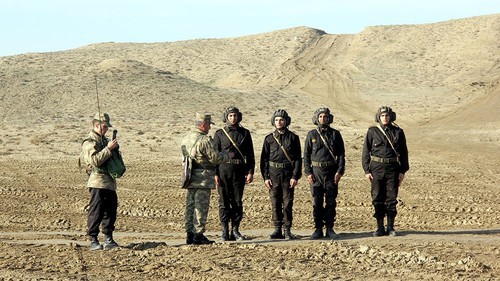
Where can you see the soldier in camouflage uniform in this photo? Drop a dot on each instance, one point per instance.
(96, 150)
(204, 157)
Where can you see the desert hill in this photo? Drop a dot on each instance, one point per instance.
(442, 79)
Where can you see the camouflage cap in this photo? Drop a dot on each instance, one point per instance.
(103, 117)
(204, 117)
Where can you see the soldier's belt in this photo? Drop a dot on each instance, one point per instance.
(323, 164)
(385, 160)
(280, 165)
(235, 161)
(204, 167)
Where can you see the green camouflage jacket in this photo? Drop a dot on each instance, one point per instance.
(96, 152)
(202, 150)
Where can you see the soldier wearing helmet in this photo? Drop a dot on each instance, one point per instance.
(281, 168)
(385, 162)
(324, 165)
(231, 176)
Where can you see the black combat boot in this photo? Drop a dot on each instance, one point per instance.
(225, 231)
(200, 239)
(94, 243)
(109, 243)
(236, 232)
(189, 238)
(390, 227)
(330, 233)
(277, 234)
(380, 228)
(288, 234)
(317, 234)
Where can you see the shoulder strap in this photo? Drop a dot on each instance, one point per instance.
(233, 143)
(192, 147)
(282, 148)
(388, 139)
(326, 144)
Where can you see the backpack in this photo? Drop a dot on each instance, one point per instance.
(113, 166)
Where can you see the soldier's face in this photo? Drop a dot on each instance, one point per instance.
(206, 127)
(323, 118)
(280, 123)
(385, 118)
(233, 118)
(101, 128)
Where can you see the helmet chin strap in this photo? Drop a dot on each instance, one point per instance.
(323, 126)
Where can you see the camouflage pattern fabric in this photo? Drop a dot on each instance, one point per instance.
(96, 153)
(197, 205)
(205, 154)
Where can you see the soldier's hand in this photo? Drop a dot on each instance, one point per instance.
(268, 184)
(217, 181)
(337, 177)
(369, 177)
(249, 178)
(293, 183)
(401, 178)
(112, 144)
(311, 178)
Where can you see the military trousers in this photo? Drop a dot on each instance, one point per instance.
(281, 197)
(197, 205)
(102, 210)
(231, 193)
(324, 192)
(384, 188)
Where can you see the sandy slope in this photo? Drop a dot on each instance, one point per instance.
(442, 79)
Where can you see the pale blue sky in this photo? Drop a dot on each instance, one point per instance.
(55, 25)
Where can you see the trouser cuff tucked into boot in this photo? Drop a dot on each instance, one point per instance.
(94, 243)
(236, 233)
(225, 231)
(380, 228)
(277, 234)
(317, 234)
(390, 227)
(288, 234)
(109, 243)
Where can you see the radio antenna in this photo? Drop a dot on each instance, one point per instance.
(98, 108)
(97, 94)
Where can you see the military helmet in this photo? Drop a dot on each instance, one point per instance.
(231, 109)
(385, 109)
(283, 114)
(320, 110)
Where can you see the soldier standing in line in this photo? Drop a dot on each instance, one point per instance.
(200, 147)
(324, 165)
(281, 168)
(385, 162)
(96, 150)
(231, 176)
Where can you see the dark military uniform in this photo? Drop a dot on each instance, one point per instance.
(233, 173)
(385, 165)
(274, 165)
(319, 162)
